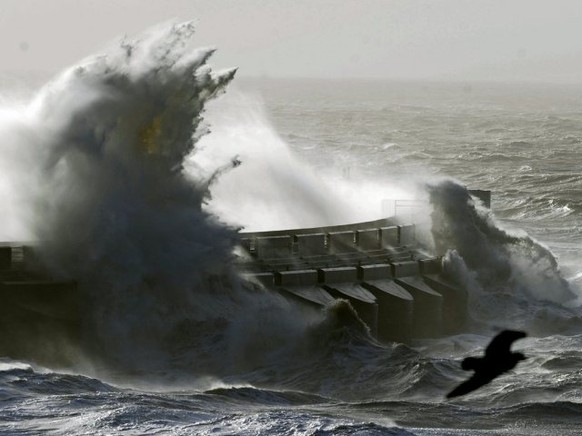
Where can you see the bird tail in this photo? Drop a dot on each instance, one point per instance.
(471, 363)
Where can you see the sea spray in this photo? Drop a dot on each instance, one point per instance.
(274, 188)
(17, 127)
(99, 158)
(513, 280)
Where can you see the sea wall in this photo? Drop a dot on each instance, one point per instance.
(399, 291)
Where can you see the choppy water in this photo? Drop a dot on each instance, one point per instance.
(181, 356)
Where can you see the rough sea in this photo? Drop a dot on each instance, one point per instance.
(109, 168)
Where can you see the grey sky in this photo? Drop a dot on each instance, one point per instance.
(454, 39)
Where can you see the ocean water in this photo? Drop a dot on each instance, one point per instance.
(108, 167)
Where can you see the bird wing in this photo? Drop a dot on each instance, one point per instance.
(472, 363)
(475, 382)
(501, 344)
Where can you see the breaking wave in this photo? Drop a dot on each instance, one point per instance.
(98, 159)
(512, 279)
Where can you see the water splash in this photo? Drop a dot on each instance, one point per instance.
(513, 280)
(114, 204)
(497, 256)
(273, 188)
(98, 159)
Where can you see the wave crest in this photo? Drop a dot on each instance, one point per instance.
(498, 257)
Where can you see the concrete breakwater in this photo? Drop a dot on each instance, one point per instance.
(397, 289)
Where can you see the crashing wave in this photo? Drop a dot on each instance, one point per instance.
(101, 155)
(497, 257)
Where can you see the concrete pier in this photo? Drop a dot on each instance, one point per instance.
(394, 285)
(396, 288)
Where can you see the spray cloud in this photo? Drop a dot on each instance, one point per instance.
(98, 159)
(498, 258)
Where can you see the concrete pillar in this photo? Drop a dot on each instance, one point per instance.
(395, 310)
(304, 277)
(389, 236)
(268, 247)
(310, 295)
(455, 303)
(341, 242)
(428, 307)
(368, 239)
(380, 271)
(302, 285)
(311, 244)
(339, 274)
(405, 268)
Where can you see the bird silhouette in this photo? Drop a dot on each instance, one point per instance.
(497, 360)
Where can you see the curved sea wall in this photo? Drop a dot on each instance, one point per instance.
(396, 288)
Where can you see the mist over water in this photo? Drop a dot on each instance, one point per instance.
(274, 187)
(127, 190)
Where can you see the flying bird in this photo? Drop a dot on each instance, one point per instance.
(497, 360)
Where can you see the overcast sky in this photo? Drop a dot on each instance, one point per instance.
(410, 39)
